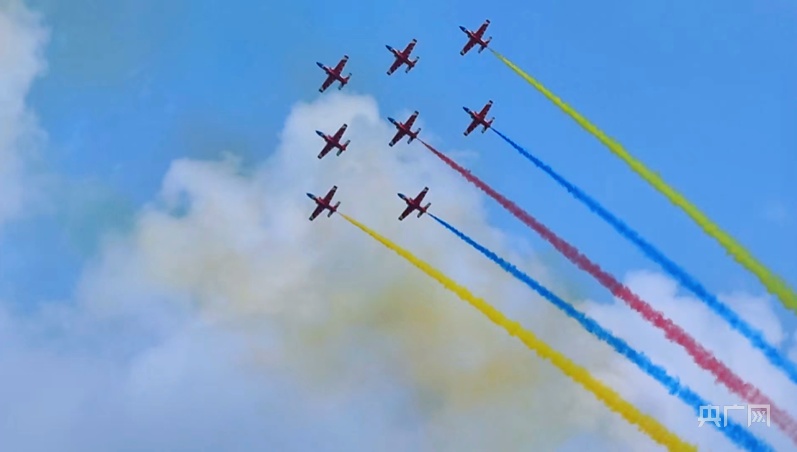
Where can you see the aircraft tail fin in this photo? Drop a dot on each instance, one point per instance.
(333, 209)
(412, 65)
(343, 147)
(486, 43)
(425, 208)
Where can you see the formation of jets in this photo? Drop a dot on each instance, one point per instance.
(403, 129)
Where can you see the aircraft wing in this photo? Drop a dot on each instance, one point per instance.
(406, 212)
(394, 66)
(472, 126)
(339, 133)
(468, 46)
(399, 135)
(482, 29)
(486, 108)
(408, 49)
(420, 196)
(411, 120)
(341, 63)
(327, 148)
(316, 212)
(327, 82)
(330, 194)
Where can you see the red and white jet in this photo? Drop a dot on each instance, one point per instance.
(414, 204)
(334, 74)
(404, 129)
(479, 118)
(475, 37)
(324, 203)
(403, 57)
(333, 141)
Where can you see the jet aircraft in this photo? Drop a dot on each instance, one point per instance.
(333, 141)
(414, 204)
(324, 203)
(476, 37)
(404, 128)
(334, 74)
(403, 57)
(479, 118)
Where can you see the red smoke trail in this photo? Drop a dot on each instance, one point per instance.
(673, 332)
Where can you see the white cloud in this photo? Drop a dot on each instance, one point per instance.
(309, 333)
(21, 44)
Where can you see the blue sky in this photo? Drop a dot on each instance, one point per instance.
(143, 93)
(702, 93)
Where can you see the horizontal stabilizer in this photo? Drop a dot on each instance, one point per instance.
(423, 211)
(333, 209)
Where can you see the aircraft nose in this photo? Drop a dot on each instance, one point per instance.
(319, 133)
(401, 195)
(319, 65)
(388, 47)
(466, 109)
(462, 28)
(310, 195)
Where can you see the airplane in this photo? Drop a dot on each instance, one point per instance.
(333, 141)
(404, 129)
(324, 203)
(334, 74)
(403, 57)
(479, 118)
(414, 204)
(475, 37)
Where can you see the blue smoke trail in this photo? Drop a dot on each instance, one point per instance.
(735, 432)
(755, 336)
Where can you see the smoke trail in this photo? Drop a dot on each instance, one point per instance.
(773, 283)
(733, 431)
(613, 400)
(700, 355)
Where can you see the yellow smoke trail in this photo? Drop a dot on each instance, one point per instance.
(613, 400)
(774, 284)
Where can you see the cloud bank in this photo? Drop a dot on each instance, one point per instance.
(225, 320)
(22, 38)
